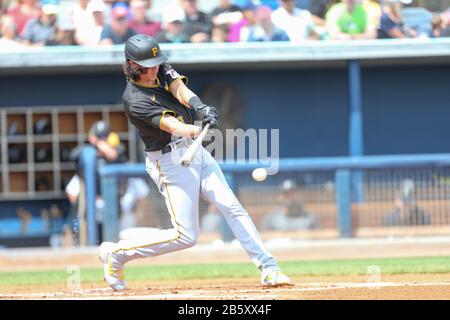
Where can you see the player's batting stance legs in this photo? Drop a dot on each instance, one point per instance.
(163, 109)
(181, 188)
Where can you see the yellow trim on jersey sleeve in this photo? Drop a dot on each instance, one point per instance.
(184, 79)
(162, 116)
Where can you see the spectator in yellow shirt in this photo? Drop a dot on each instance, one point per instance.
(373, 10)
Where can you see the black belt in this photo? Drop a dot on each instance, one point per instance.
(168, 147)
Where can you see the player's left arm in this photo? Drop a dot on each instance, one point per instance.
(180, 91)
(176, 84)
(189, 99)
(178, 88)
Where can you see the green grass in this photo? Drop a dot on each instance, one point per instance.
(237, 270)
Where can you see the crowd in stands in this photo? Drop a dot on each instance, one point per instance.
(107, 22)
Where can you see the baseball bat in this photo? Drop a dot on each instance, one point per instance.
(190, 152)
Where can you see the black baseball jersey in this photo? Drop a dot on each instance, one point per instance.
(145, 106)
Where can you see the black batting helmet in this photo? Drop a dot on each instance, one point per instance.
(144, 50)
(100, 129)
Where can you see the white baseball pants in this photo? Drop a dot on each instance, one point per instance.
(181, 188)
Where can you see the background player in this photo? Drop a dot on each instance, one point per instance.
(109, 150)
(162, 108)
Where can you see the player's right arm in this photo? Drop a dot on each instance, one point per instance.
(177, 128)
(159, 117)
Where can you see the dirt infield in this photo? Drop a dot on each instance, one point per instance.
(405, 287)
(390, 287)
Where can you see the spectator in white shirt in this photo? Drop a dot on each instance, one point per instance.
(8, 32)
(97, 9)
(297, 23)
(82, 20)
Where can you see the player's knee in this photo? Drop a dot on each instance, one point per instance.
(191, 242)
(188, 242)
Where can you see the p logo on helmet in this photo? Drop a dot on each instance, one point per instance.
(155, 51)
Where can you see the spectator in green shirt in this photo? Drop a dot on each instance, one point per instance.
(348, 20)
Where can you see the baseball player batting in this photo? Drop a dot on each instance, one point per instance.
(159, 104)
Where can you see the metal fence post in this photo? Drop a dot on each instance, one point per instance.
(343, 200)
(356, 133)
(88, 159)
(110, 194)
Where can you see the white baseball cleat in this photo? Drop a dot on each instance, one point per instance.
(273, 277)
(112, 269)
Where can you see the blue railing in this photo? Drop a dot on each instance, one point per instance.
(345, 169)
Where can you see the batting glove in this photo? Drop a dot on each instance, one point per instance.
(202, 110)
(213, 121)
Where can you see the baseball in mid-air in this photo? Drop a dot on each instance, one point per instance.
(259, 174)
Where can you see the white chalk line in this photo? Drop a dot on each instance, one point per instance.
(216, 293)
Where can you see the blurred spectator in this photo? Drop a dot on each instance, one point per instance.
(219, 33)
(406, 212)
(291, 215)
(65, 36)
(297, 23)
(118, 31)
(136, 191)
(436, 23)
(225, 14)
(419, 20)
(445, 16)
(107, 143)
(250, 20)
(42, 30)
(173, 33)
(248, 17)
(317, 8)
(24, 11)
(82, 20)
(109, 150)
(139, 21)
(391, 21)
(262, 28)
(373, 11)
(25, 218)
(441, 24)
(96, 9)
(108, 9)
(3, 7)
(88, 19)
(172, 12)
(52, 219)
(196, 25)
(8, 33)
(349, 20)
